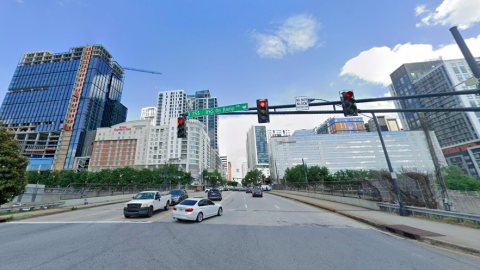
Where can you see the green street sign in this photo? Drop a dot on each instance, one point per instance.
(217, 110)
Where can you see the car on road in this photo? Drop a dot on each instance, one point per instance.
(178, 195)
(208, 189)
(215, 194)
(257, 193)
(266, 188)
(145, 203)
(249, 190)
(196, 209)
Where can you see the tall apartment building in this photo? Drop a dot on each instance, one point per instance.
(257, 150)
(354, 151)
(170, 105)
(385, 124)
(203, 100)
(224, 171)
(244, 169)
(457, 132)
(149, 113)
(140, 145)
(56, 101)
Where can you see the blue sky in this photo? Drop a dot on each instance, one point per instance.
(243, 50)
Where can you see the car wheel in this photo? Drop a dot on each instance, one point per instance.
(150, 211)
(220, 211)
(127, 216)
(199, 217)
(166, 206)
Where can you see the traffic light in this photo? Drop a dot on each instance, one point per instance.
(348, 103)
(262, 110)
(182, 127)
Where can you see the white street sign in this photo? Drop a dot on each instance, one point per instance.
(301, 103)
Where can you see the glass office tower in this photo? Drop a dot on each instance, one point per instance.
(54, 100)
(203, 100)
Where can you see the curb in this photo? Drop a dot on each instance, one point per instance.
(63, 210)
(424, 239)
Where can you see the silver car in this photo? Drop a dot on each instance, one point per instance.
(196, 209)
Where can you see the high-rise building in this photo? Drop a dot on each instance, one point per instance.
(244, 169)
(170, 105)
(224, 171)
(149, 113)
(457, 132)
(229, 177)
(354, 151)
(202, 100)
(385, 124)
(322, 128)
(257, 150)
(139, 144)
(339, 125)
(56, 101)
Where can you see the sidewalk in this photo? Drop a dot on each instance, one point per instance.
(61, 209)
(453, 236)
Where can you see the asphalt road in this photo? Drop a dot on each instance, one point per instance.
(254, 233)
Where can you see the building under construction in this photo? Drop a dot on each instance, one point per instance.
(56, 101)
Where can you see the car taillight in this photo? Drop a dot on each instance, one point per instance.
(260, 192)
(189, 210)
(174, 209)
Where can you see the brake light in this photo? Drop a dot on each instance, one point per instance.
(260, 192)
(189, 210)
(174, 209)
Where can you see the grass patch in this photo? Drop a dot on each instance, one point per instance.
(73, 208)
(8, 213)
(10, 218)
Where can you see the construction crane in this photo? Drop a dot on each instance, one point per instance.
(142, 70)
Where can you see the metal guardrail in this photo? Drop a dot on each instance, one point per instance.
(428, 212)
(30, 207)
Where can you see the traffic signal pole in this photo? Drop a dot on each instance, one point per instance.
(402, 211)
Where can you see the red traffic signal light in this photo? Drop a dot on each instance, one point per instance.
(349, 105)
(262, 103)
(180, 121)
(262, 111)
(349, 94)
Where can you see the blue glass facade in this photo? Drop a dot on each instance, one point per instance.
(261, 144)
(36, 104)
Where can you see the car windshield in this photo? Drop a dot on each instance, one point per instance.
(188, 202)
(257, 190)
(176, 192)
(214, 190)
(144, 196)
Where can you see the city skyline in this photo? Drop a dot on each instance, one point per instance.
(279, 52)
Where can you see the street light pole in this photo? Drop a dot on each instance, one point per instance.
(403, 211)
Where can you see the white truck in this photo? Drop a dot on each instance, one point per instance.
(145, 203)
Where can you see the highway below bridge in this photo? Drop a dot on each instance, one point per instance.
(254, 233)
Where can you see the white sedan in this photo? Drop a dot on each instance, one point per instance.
(196, 209)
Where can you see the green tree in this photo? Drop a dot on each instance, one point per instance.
(456, 179)
(13, 166)
(254, 177)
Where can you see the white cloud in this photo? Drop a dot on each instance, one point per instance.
(296, 34)
(420, 9)
(376, 64)
(461, 13)
(20, 1)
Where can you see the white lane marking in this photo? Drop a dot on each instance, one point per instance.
(227, 196)
(246, 206)
(75, 222)
(277, 206)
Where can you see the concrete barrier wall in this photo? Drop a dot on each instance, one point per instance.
(73, 202)
(466, 204)
(346, 200)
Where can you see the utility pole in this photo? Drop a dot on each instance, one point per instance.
(447, 204)
(164, 175)
(403, 211)
(305, 171)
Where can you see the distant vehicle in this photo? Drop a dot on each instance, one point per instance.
(215, 194)
(257, 193)
(196, 209)
(145, 203)
(208, 189)
(178, 196)
(249, 190)
(236, 189)
(266, 188)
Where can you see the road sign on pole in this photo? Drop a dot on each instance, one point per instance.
(217, 110)
(301, 103)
